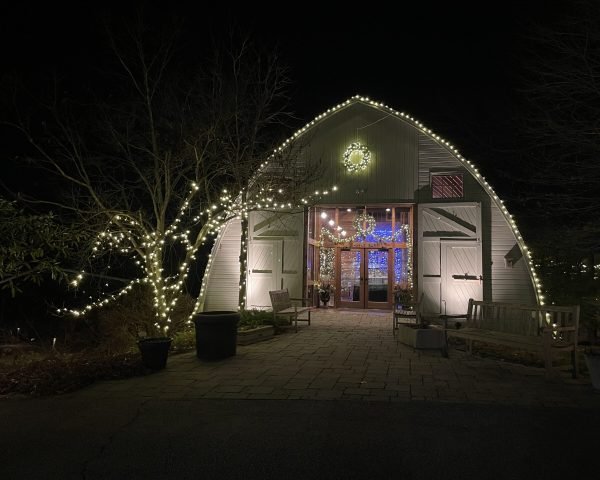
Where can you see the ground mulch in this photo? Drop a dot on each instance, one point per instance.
(59, 374)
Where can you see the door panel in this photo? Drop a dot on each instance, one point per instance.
(291, 256)
(431, 258)
(461, 275)
(365, 276)
(377, 281)
(264, 260)
(431, 278)
(432, 291)
(351, 278)
(449, 254)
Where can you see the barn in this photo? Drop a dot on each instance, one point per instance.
(406, 210)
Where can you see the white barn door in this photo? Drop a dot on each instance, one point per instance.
(264, 260)
(449, 253)
(274, 256)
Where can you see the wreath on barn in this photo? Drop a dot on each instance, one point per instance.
(362, 231)
(365, 157)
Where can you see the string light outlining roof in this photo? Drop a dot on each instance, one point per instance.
(469, 166)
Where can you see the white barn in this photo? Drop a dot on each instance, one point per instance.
(408, 210)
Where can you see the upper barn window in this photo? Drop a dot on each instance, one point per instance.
(447, 185)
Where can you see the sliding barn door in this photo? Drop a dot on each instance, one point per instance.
(449, 253)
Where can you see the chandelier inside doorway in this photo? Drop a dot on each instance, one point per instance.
(365, 227)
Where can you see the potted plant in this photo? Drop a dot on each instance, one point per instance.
(325, 290)
(404, 296)
(155, 351)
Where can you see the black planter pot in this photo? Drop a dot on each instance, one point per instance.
(216, 334)
(155, 351)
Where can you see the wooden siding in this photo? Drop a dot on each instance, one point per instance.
(222, 287)
(432, 156)
(391, 176)
(509, 284)
(435, 158)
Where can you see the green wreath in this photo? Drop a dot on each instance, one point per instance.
(358, 225)
(356, 147)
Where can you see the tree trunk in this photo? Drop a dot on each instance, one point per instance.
(243, 257)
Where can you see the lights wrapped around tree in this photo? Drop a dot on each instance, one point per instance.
(353, 150)
(126, 236)
(265, 199)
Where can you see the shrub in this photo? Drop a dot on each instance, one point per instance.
(117, 327)
(184, 340)
(254, 318)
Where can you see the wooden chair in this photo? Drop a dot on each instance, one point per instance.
(282, 306)
(406, 313)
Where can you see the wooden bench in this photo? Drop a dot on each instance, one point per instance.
(282, 306)
(406, 312)
(547, 329)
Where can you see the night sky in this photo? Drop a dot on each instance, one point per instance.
(456, 69)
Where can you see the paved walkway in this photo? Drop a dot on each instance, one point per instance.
(352, 355)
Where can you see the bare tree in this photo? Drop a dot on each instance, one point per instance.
(561, 126)
(561, 142)
(248, 98)
(169, 158)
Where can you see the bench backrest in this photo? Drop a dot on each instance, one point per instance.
(280, 300)
(529, 320)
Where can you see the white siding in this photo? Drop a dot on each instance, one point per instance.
(433, 155)
(509, 284)
(392, 173)
(222, 286)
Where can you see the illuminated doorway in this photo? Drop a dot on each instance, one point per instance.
(364, 279)
(360, 254)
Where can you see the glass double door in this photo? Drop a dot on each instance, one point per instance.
(364, 278)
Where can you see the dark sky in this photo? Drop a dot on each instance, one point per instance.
(454, 68)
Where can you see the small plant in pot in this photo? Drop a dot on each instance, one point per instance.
(325, 290)
(404, 296)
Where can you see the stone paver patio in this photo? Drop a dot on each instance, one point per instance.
(352, 355)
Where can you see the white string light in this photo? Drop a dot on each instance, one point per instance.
(453, 151)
